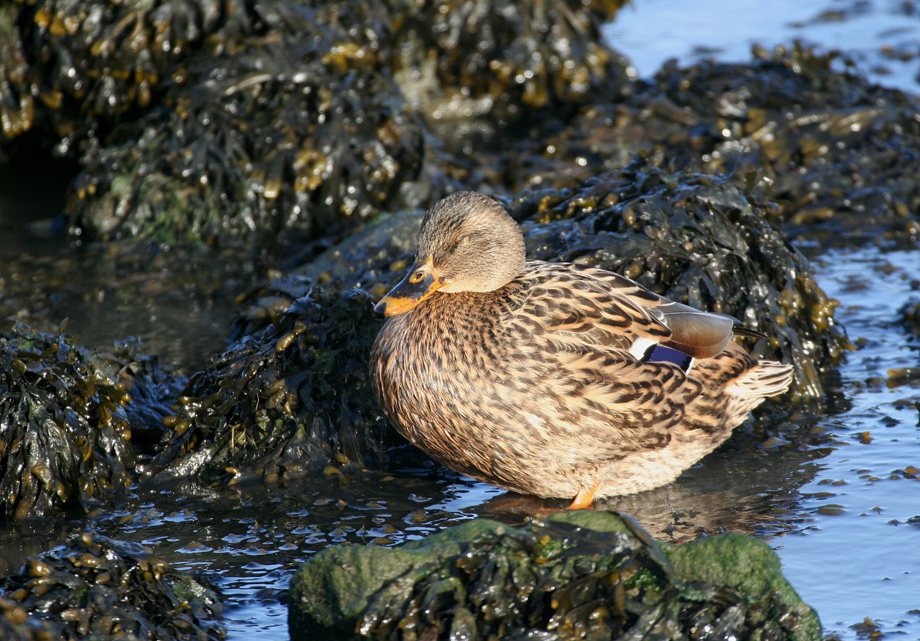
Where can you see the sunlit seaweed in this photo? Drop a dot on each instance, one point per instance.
(825, 144)
(99, 588)
(289, 399)
(64, 429)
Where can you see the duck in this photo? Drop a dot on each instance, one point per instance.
(548, 378)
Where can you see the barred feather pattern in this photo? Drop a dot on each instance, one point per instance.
(532, 387)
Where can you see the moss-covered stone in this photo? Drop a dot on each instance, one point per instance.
(585, 575)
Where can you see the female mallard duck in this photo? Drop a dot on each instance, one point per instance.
(551, 378)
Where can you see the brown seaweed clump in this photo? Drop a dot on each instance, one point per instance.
(480, 66)
(281, 132)
(95, 587)
(288, 399)
(821, 141)
(199, 120)
(64, 429)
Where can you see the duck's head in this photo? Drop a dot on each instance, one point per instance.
(467, 243)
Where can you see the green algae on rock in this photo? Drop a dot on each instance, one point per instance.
(576, 575)
(64, 427)
(96, 587)
(288, 399)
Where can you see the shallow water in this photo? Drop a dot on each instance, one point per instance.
(882, 36)
(858, 553)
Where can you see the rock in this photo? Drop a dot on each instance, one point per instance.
(291, 397)
(826, 146)
(93, 587)
(575, 575)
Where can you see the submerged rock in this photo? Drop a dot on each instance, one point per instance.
(94, 587)
(64, 428)
(577, 575)
(290, 398)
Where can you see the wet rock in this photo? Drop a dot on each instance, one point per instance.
(576, 575)
(64, 428)
(292, 129)
(474, 68)
(218, 120)
(693, 238)
(99, 588)
(201, 120)
(826, 145)
(290, 398)
(910, 316)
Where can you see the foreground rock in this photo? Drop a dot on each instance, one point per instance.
(577, 575)
(98, 588)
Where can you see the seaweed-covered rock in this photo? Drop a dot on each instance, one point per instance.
(826, 145)
(99, 588)
(64, 430)
(292, 128)
(478, 66)
(288, 399)
(206, 120)
(697, 240)
(577, 575)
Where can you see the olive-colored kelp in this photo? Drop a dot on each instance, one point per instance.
(577, 575)
(697, 240)
(220, 119)
(64, 427)
(827, 146)
(95, 587)
(286, 400)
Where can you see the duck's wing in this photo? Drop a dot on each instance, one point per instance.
(574, 338)
(693, 332)
(573, 305)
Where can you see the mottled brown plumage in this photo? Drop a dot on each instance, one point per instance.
(548, 378)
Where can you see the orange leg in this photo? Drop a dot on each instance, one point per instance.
(585, 498)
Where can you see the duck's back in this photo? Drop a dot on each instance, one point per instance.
(534, 387)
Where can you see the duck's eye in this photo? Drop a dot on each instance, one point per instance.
(418, 276)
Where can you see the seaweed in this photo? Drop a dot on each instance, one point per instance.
(288, 399)
(95, 587)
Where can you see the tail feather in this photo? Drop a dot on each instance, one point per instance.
(768, 378)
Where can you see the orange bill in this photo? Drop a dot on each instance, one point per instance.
(421, 282)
